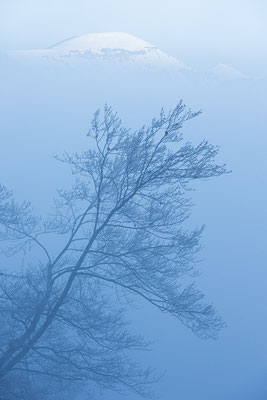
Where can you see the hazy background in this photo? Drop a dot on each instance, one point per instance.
(44, 112)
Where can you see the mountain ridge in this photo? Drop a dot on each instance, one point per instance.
(118, 49)
(114, 47)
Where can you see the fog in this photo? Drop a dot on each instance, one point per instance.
(47, 109)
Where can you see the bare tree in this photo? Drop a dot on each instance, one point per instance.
(116, 234)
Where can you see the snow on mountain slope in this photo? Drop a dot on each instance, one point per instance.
(108, 40)
(227, 71)
(111, 47)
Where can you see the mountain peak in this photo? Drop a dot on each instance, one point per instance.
(108, 48)
(106, 40)
(227, 71)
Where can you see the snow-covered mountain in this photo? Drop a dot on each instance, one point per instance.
(116, 51)
(226, 72)
(110, 47)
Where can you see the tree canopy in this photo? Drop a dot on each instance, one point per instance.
(117, 234)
